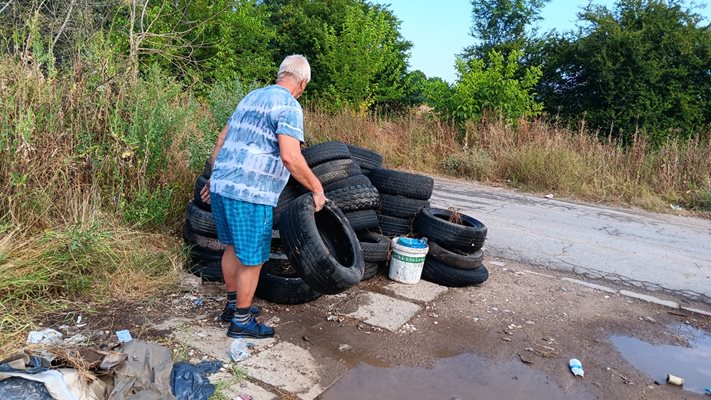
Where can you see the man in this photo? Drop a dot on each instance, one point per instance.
(254, 155)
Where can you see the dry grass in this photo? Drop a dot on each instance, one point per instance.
(90, 260)
(536, 156)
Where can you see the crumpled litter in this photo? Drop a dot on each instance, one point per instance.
(146, 373)
(45, 336)
(190, 381)
(25, 389)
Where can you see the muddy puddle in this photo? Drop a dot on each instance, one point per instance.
(693, 363)
(463, 377)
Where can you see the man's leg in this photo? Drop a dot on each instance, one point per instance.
(230, 272)
(247, 280)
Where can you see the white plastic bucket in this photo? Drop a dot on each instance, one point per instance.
(406, 262)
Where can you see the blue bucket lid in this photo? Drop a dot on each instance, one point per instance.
(412, 242)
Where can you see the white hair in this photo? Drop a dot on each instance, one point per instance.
(296, 66)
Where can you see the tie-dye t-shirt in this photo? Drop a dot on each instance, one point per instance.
(248, 167)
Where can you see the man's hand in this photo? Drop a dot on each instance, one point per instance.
(319, 200)
(205, 193)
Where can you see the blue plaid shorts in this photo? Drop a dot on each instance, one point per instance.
(246, 226)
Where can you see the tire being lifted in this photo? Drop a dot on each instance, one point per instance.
(322, 247)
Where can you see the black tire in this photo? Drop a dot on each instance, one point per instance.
(200, 183)
(400, 183)
(335, 170)
(324, 152)
(207, 169)
(196, 240)
(366, 159)
(401, 207)
(287, 195)
(206, 264)
(433, 223)
(370, 269)
(394, 226)
(350, 181)
(307, 237)
(442, 274)
(201, 221)
(456, 258)
(284, 289)
(363, 220)
(354, 198)
(375, 247)
(279, 283)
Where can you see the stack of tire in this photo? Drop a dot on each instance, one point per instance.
(343, 178)
(455, 255)
(200, 234)
(402, 196)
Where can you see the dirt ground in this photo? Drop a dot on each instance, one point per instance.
(523, 320)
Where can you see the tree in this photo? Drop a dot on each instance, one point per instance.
(641, 67)
(355, 48)
(500, 25)
(491, 89)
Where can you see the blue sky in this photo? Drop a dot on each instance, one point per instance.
(440, 29)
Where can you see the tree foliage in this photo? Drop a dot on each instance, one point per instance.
(357, 54)
(491, 89)
(641, 67)
(501, 25)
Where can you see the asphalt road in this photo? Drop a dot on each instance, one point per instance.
(658, 252)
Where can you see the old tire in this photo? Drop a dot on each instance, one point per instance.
(365, 158)
(433, 223)
(335, 170)
(401, 207)
(375, 247)
(324, 152)
(442, 274)
(394, 226)
(354, 198)
(363, 220)
(456, 258)
(308, 236)
(287, 195)
(400, 183)
(350, 181)
(370, 269)
(206, 264)
(281, 285)
(207, 169)
(201, 221)
(196, 240)
(200, 183)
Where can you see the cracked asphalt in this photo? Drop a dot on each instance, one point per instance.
(657, 252)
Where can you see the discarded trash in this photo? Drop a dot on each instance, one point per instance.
(76, 339)
(413, 243)
(46, 336)
(190, 382)
(525, 358)
(576, 367)
(239, 350)
(675, 380)
(676, 207)
(199, 302)
(408, 259)
(708, 391)
(124, 336)
(344, 347)
(549, 196)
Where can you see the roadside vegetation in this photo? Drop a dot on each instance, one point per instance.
(109, 108)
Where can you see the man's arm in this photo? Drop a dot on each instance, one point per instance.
(290, 152)
(205, 192)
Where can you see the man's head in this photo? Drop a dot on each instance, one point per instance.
(294, 74)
